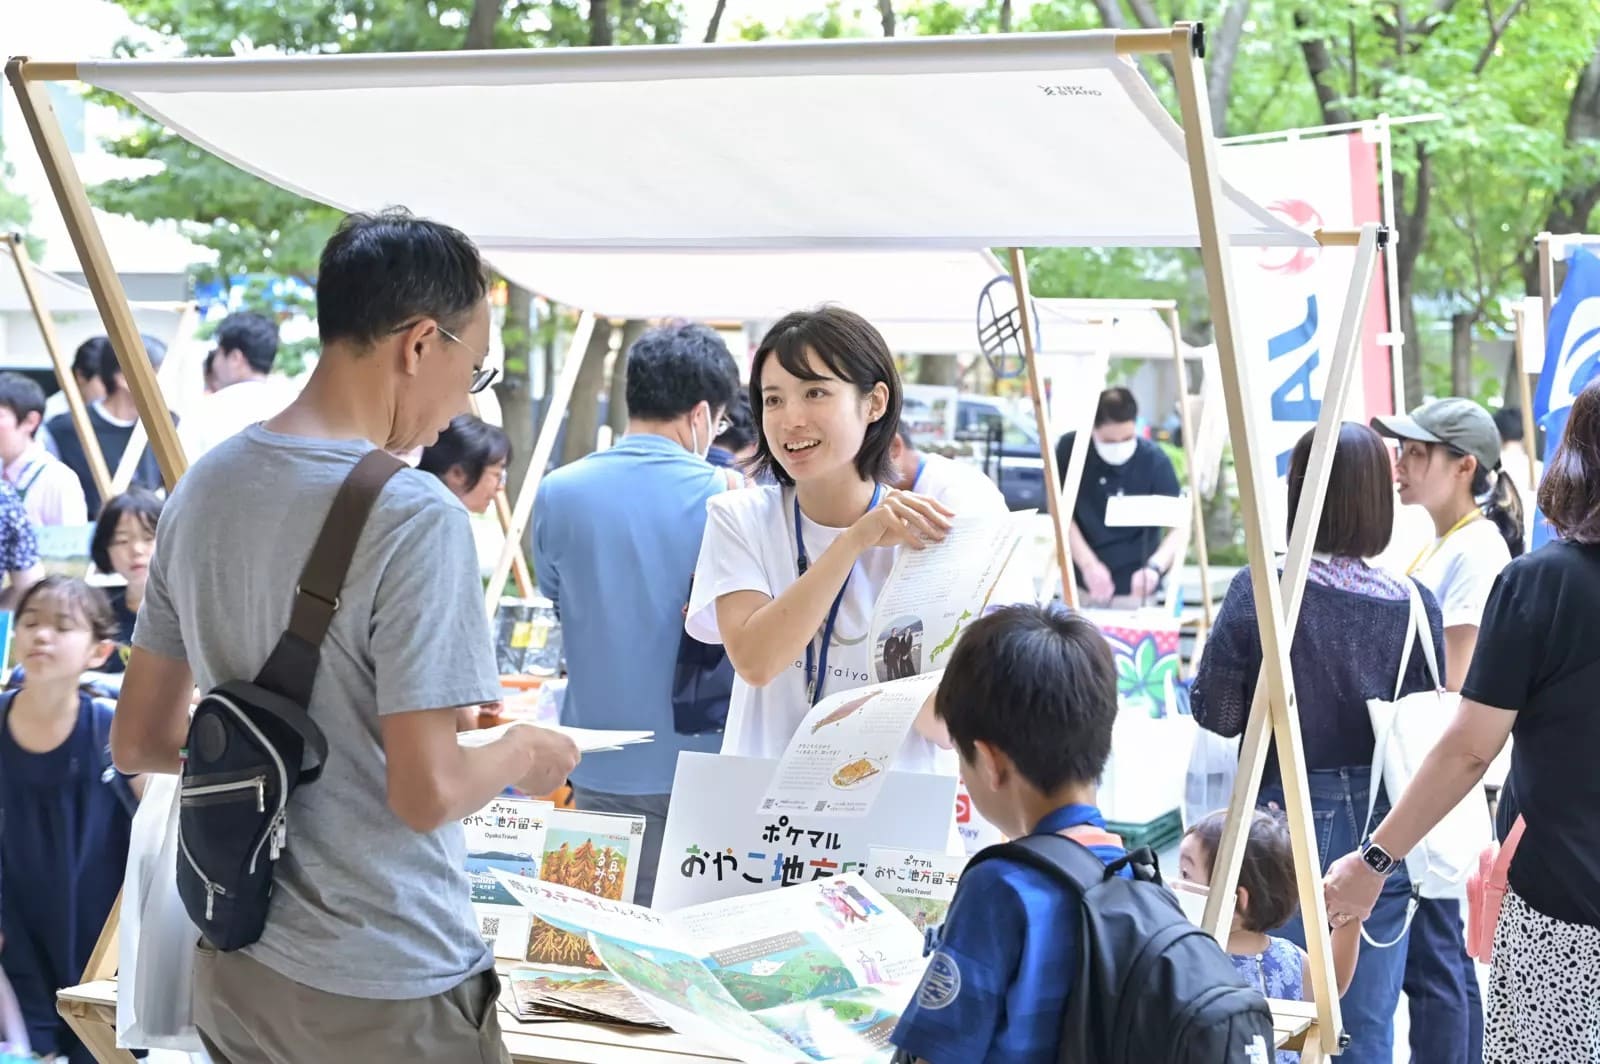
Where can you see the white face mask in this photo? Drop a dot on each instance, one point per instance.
(1116, 453)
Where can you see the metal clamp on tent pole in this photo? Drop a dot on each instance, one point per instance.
(1197, 39)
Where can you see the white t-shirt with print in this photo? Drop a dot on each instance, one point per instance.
(960, 486)
(749, 546)
(1462, 570)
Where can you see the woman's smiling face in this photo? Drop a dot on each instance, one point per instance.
(813, 427)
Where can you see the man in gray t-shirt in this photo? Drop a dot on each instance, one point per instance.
(370, 949)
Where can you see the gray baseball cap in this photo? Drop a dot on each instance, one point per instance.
(1458, 423)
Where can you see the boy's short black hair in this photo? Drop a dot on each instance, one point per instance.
(1038, 684)
(111, 369)
(1508, 419)
(91, 355)
(674, 368)
(250, 334)
(1117, 406)
(1267, 874)
(741, 426)
(144, 505)
(22, 396)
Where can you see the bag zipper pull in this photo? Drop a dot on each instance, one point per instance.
(211, 901)
(261, 795)
(280, 836)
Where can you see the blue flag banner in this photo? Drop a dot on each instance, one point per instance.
(1571, 357)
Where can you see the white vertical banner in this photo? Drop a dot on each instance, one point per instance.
(1291, 299)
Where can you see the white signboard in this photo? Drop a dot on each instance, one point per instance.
(717, 846)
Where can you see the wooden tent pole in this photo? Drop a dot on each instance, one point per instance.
(167, 378)
(64, 377)
(1530, 431)
(1302, 537)
(1047, 453)
(1547, 277)
(1250, 461)
(502, 510)
(104, 283)
(543, 448)
(1197, 515)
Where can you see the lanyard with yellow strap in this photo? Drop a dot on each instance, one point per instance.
(1425, 555)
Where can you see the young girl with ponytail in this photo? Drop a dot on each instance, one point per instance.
(1449, 463)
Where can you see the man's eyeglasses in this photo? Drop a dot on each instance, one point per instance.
(482, 377)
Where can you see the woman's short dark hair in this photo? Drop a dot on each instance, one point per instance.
(471, 443)
(89, 603)
(1569, 494)
(142, 504)
(1358, 517)
(675, 368)
(379, 271)
(852, 350)
(1268, 870)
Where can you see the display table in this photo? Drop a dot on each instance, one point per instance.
(91, 1010)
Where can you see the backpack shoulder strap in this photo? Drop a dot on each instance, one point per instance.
(107, 767)
(292, 665)
(1058, 855)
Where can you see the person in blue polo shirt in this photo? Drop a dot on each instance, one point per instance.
(1029, 699)
(615, 539)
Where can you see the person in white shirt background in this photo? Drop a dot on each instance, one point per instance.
(788, 574)
(240, 366)
(50, 491)
(959, 487)
(1450, 463)
(86, 373)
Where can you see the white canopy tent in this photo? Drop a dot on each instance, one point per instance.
(1018, 140)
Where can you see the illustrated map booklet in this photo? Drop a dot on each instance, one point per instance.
(837, 759)
(817, 972)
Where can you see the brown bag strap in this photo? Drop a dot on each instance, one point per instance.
(292, 666)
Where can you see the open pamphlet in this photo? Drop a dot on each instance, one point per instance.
(588, 740)
(596, 853)
(820, 971)
(836, 760)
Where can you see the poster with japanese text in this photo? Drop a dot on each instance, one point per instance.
(838, 759)
(921, 885)
(717, 846)
(508, 834)
(596, 853)
(819, 972)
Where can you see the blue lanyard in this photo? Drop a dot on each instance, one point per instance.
(922, 463)
(817, 662)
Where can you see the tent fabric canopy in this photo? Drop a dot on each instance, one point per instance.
(60, 295)
(1014, 140)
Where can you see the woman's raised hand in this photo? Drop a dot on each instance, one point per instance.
(903, 518)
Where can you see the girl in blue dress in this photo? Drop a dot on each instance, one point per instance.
(65, 812)
(1266, 901)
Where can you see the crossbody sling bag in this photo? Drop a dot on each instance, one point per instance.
(249, 739)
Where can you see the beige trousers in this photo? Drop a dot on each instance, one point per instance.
(249, 1014)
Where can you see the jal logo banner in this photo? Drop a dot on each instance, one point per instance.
(1572, 357)
(1290, 300)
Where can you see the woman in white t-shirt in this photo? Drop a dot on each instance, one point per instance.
(789, 574)
(1448, 449)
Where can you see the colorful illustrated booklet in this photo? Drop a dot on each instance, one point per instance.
(817, 972)
(595, 853)
(919, 883)
(836, 762)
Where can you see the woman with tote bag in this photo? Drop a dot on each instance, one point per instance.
(1449, 463)
(1534, 675)
(1355, 625)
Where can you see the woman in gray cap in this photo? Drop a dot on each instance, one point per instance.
(1448, 450)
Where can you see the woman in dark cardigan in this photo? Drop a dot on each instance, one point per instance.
(1353, 624)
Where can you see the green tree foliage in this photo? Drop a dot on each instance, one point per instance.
(15, 210)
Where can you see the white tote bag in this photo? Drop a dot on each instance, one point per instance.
(155, 981)
(1405, 730)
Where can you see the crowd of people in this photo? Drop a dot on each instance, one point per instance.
(759, 522)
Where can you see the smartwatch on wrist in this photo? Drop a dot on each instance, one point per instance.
(1377, 858)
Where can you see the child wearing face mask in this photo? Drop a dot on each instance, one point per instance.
(1118, 565)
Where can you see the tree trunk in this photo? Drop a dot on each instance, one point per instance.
(617, 393)
(943, 370)
(515, 390)
(599, 23)
(1005, 16)
(551, 333)
(583, 414)
(1461, 323)
(480, 30)
(1571, 208)
(1222, 52)
(715, 24)
(886, 15)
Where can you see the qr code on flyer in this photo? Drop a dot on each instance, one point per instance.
(489, 928)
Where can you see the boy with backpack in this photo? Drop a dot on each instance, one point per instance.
(1061, 946)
